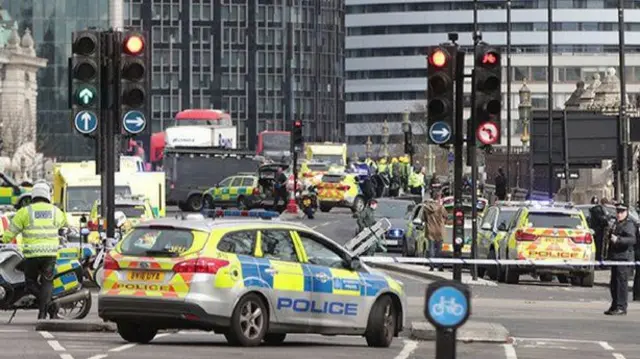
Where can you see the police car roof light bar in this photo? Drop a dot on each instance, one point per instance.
(246, 213)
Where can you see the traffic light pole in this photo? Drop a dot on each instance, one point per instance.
(458, 229)
(111, 87)
(472, 151)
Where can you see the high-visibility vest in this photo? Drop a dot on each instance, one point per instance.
(39, 224)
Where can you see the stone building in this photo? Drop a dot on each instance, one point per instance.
(18, 102)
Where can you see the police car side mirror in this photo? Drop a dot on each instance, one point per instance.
(502, 227)
(355, 264)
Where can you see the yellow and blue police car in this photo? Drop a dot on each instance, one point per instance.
(252, 280)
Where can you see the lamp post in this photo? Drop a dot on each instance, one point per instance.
(385, 139)
(367, 147)
(408, 136)
(524, 112)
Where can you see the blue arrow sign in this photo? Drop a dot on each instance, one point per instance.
(86, 122)
(440, 132)
(448, 306)
(134, 122)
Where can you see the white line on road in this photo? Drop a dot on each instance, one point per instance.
(407, 349)
(13, 330)
(509, 351)
(122, 347)
(46, 335)
(618, 356)
(56, 346)
(606, 346)
(99, 356)
(66, 356)
(557, 340)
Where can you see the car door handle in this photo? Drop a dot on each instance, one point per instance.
(271, 271)
(322, 277)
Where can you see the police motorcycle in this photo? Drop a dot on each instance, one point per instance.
(96, 265)
(70, 300)
(307, 198)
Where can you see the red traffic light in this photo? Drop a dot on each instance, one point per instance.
(438, 58)
(134, 45)
(297, 123)
(459, 214)
(490, 58)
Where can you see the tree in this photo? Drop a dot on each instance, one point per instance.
(21, 148)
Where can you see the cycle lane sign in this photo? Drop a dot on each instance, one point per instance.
(447, 304)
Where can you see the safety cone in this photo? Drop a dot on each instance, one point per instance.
(292, 206)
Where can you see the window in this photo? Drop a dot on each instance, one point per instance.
(237, 182)
(416, 213)
(505, 216)
(157, 242)
(241, 242)
(225, 182)
(490, 217)
(277, 244)
(554, 220)
(318, 253)
(247, 182)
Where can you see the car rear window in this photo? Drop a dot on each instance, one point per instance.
(555, 220)
(332, 179)
(157, 242)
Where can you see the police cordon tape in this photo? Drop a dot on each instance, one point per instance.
(520, 262)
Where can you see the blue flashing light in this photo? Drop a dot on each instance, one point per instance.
(244, 213)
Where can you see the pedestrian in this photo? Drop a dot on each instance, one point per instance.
(280, 188)
(599, 221)
(434, 217)
(39, 223)
(367, 219)
(622, 239)
(501, 184)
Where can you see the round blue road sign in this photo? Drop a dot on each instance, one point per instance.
(448, 306)
(440, 132)
(86, 122)
(134, 122)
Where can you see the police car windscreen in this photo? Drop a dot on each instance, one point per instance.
(505, 215)
(555, 220)
(157, 242)
(332, 179)
(336, 160)
(131, 211)
(81, 199)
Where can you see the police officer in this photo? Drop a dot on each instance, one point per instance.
(39, 223)
(598, 221)
(621, 241)
(416, 182)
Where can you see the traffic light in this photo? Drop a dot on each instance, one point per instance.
(441, 64)
(488, 87)
(296, 134)
(134, 81)
(85, 66)
(458, 225)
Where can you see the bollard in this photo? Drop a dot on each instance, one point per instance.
(447, 308)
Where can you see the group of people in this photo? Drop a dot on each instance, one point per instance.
(617, 240)
(398, 169)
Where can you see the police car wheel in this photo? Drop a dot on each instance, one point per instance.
(274, 338)
(136, 332)
(381, 327)
(248, 322)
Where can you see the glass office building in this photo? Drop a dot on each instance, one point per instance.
(51, 23)
(231, 55)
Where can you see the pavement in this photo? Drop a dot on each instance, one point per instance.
(541, 319)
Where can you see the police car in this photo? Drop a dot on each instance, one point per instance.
(252, 280)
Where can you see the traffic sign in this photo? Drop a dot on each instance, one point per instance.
(440, 133)
(134, 122)
(447, 304)
(86, 122)
(450, 157)
(488, 133)
(86, 96)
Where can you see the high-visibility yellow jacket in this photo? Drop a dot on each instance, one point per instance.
(39, 224)
(416, 180)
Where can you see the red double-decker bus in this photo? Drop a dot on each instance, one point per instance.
(274, 144)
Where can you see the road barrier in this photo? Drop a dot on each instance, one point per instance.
(519, 262)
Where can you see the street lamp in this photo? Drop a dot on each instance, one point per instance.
(385, 139)
(367, 147)
(524, 112)
(408, 135)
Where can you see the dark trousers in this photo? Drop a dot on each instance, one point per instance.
(636, 277)
(599, 239)
(43, 268)
(416, 190)
(434, 251)
(619, 287)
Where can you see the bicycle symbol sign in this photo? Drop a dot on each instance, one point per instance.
(448, 306)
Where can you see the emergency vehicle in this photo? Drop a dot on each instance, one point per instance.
(252, 280)
(341, 190)
(553, 232)
(335, 154)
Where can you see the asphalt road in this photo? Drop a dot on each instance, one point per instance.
(546, 320)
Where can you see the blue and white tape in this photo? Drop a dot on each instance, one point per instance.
(485, 262)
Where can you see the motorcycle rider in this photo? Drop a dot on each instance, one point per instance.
(39, 223)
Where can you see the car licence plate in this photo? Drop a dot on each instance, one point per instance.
(391, 242)
(146, 276)
(552, 240)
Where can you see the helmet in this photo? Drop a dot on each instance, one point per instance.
(383, 161)
(394, 160)
(121, 218)
(41, 190)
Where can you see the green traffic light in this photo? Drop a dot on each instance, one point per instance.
(86, 95)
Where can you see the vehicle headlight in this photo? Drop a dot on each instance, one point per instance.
(395, 232)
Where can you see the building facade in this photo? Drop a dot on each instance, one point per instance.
(231, 55)
(51, 24)
(387, 43)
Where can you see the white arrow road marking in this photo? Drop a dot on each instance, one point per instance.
(444, 132)
(55, 345)
(46, 335)
(408, 349)
(138, 121)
